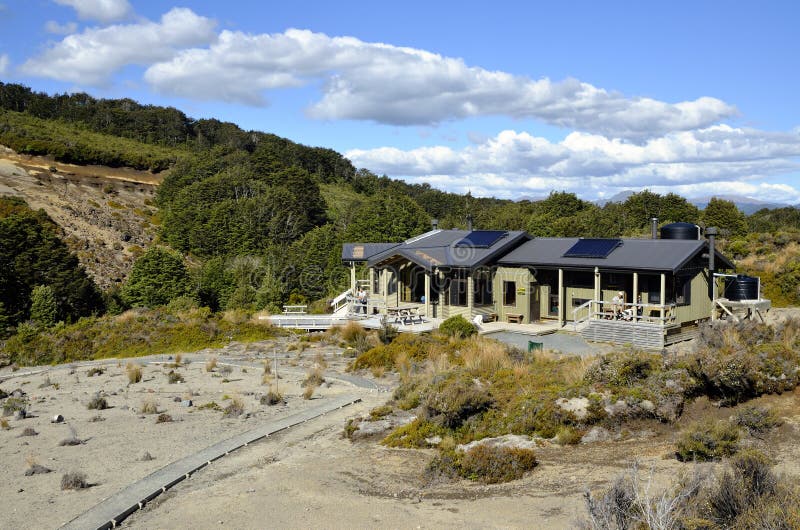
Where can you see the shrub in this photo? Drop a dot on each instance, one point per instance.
(149, 406)
(308, 393)
(74, 480)
(95, 371)
(387, 333)
(413, 434)
(622, 368)
(450, 401)
(314, 378)
(29, 431)
(163, 418)
(709, 440)
(568, 435)
(211, 364)
(458, 327)
(352, 332)
(97, 403)
(757, 420)
(485, 463)
(414, 348)
(272, 397)
(235, 408)
(71, 440)
(380, 412)
(4, 424)
(134, 372)
(174, 377)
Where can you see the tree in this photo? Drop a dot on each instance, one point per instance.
(157, 277)
(44, 307)
(388, 218)
(725, 216)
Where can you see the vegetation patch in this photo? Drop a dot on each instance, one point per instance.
(484, 463)
(708, 440)
(458, 326)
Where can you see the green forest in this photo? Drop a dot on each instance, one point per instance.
(251, 221)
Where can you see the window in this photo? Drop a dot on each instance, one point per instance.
(458, 289)
(482, 287)
(683, 290)
(510, 293)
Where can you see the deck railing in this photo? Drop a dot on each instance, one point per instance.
(628, 312)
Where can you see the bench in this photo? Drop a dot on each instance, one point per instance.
(514, 318)
(294, 309)
(491, 317)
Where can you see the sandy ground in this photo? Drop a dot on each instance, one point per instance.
(308, 476)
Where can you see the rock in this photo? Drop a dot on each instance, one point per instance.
(433, 441)
(58, 418)
(18, 393)
(20, 414)
(36, 469)
(518, 441)
(186, 403)
(596, 434)
(647, 405)
(372, 428)
(578, 406)
(616, 409)
(146, 457)
(176, 399)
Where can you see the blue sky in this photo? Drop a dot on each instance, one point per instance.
(507, 99)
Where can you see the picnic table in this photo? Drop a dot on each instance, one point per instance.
(404, 315)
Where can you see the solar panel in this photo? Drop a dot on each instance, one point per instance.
(482, 238)
(592, 248)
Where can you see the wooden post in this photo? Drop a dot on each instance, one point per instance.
(596, 305)
(442, 293)
(427, 294)
(663, 297)
(470, 295)
(385, 289)
(635, 296)
(353, 286)
(561, 320)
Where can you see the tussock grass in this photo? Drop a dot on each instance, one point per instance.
(74, 480)
(148, 406)
(235, 408)
(97, 403)
(308, 393)
(211, 364)
(134, 373)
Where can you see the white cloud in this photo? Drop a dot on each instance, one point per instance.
(102, 10)
(4, 61)
(511, 164)
(51, 26)
(407, 86)
(90, 57)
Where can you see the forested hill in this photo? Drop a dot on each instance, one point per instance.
(260, 219)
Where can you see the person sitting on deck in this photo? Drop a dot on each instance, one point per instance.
(618, 304)
(361, 301)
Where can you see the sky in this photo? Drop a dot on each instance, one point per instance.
(505, 99)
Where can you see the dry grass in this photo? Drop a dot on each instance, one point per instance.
(149, 406)
(351, 331)
(134, 373)
(4, 424)
(74, 480)
(308, 393)
(97, 403)
(72, 439)
(178, 359)
(485, 356)
(314, 377)
(164, 418)
(403, 363)
(29, 431)
(273, 397)
(320, 361)
(378, 371)
(211, 364)
(235, 408)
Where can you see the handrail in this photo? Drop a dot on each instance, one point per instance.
(585, 305)
(633, 314)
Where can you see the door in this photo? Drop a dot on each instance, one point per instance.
(535, 303)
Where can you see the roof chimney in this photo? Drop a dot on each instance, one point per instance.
(654, 228)
(469, 222)
(711, 234)
(435, 224)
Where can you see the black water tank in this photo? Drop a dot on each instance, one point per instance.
(742, 287)
(680, 231)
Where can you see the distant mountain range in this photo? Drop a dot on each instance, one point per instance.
(747, 205)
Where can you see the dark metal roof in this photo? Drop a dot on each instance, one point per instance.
(364, 251)
(633, 254)
(440, 249)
